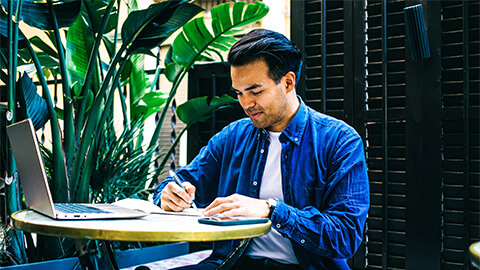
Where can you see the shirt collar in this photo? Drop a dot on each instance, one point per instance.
(295, 128)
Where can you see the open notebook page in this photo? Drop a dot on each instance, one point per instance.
(149, 207)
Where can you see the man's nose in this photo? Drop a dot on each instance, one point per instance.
(246, 101)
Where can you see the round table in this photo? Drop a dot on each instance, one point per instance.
(151, 228)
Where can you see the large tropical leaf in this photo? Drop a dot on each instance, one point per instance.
(79, 45)
(201, 109)
(32, 105)
(137, 80)
(93, 11)
(37, 14)
(4, 33)
(143, 29)
(42, 45)
(146, 29)
(81, 37)
(196, 40)
(22, 59)
(148, 104)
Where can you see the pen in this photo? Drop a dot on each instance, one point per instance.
(177, 180)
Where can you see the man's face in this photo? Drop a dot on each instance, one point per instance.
(263, 100)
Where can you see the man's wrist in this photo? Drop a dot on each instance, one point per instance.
(272, 203)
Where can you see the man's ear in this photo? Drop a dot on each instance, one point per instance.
(289, 81)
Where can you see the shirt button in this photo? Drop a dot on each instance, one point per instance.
(261, 151)
(286, 156)
(278, 226)
(302, 241)
(255, 183)
(296, 139)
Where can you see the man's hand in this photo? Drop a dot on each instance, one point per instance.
(237, 205)
(174, 198)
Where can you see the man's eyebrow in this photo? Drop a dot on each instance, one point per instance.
(251, 87)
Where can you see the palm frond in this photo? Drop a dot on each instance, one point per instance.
(196, 41)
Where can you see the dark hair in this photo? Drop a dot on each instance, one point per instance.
(278, 52)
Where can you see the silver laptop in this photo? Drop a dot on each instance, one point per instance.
(35, 185)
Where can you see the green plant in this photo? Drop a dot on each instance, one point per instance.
(92, 160)
(85, 119)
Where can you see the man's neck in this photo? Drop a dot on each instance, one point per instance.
(293, 105)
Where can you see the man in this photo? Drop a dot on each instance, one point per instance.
(304, 170)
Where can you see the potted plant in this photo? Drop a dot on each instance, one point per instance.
(88, 159)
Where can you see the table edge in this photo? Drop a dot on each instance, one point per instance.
(142, 236)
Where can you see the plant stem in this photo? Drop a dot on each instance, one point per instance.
(12, 190)
(123, 104)
(69, 129)
(92, 122)
(173, 91)
(82, 191)
(90, 70)
(61, 192)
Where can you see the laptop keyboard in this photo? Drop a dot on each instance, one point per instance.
(78, 208)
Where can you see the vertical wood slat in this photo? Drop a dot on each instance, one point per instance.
(323, 42)
(466, 123)
(297, 34)
(355, 89)
(385, 132)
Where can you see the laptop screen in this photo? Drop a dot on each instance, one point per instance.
(30, 167)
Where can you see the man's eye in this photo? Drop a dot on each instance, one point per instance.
(238, 93)
(256, 93)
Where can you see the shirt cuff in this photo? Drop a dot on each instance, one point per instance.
(282, 218)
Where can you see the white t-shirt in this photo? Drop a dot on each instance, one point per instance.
(272, 245)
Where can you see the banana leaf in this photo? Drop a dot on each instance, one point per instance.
(37, 14)
(3, 33)
(145, 29)
(31, 104)
(136, 34)
(79, 45)
(93, 11)
(201, 109)
(21, 58)
(137, 80)
(148, 104)
(43, 46)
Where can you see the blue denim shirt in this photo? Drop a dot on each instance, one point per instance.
(324, 178)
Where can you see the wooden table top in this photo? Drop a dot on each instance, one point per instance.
(152, 228)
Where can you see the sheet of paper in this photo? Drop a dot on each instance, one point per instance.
(185, 212)
(149, 207)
